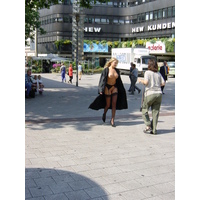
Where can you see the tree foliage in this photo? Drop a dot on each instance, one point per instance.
(32, 15)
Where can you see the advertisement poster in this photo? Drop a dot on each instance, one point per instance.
(93, 47)
(158, 47)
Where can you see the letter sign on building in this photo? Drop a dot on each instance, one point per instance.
(92, 29)
(154, 27)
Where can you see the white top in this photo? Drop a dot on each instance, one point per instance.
(154, 82)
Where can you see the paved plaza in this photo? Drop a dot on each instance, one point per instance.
(72, 155)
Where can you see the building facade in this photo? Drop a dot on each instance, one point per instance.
(112, 21)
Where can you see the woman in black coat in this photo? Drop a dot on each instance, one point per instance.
(112, 94)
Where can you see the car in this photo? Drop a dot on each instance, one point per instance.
(171, 68)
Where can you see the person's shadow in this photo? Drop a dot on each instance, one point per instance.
(56, 184)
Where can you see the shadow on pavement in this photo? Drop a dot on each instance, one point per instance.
(62, 103)
(165, 131)
(51, 184)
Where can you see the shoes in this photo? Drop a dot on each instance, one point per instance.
(129, 90)
(104, 117)
(151, 132)
(147, 130)
(113, 125)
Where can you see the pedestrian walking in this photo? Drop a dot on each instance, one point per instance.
(70, 73)
(80, 71)
(131, 68)
(134, 77)
(152, 96)
(164, 72)
(63, 72)
(112, 94)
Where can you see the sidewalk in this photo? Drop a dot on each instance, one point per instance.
(72, 154)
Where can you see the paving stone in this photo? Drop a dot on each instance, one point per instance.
(72, 154)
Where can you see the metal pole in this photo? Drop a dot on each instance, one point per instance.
(77, 57)
(36, 42)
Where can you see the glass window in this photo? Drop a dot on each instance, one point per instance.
(139, 18)
(159, 14)
(151, 15)
(121, 21)
(86, 20)
(110, 3)
(115, 21)
(143, 17)
(147, 17)
(97, 20)
(110, 21)
(115, 4)
(155, 15)
(60, 19)
(164, 12)
(134, 19)
(127, 21)
(173, 12)
(104, 21)
(169, 12)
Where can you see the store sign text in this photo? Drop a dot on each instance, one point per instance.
(154, 27)
(158, 47)
(92, 29)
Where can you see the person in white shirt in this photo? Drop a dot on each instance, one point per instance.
(153, 81)
(79, 71)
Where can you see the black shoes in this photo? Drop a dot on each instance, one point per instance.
(104, 117)
(113, 125)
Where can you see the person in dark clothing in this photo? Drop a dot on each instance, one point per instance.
(134, 76)
(112, 94)
(131, 68)
(164, 72)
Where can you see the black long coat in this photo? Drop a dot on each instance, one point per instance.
(100, 100)
(162, 71)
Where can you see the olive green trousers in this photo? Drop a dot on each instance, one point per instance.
(153, 101)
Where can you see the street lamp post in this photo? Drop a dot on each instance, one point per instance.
(77, 20)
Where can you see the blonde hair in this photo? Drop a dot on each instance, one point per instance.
(110, 62)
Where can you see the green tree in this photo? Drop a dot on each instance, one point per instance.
(32, 15)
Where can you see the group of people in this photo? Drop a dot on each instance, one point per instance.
(70, 72)
(112, 94)
(33, 83)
